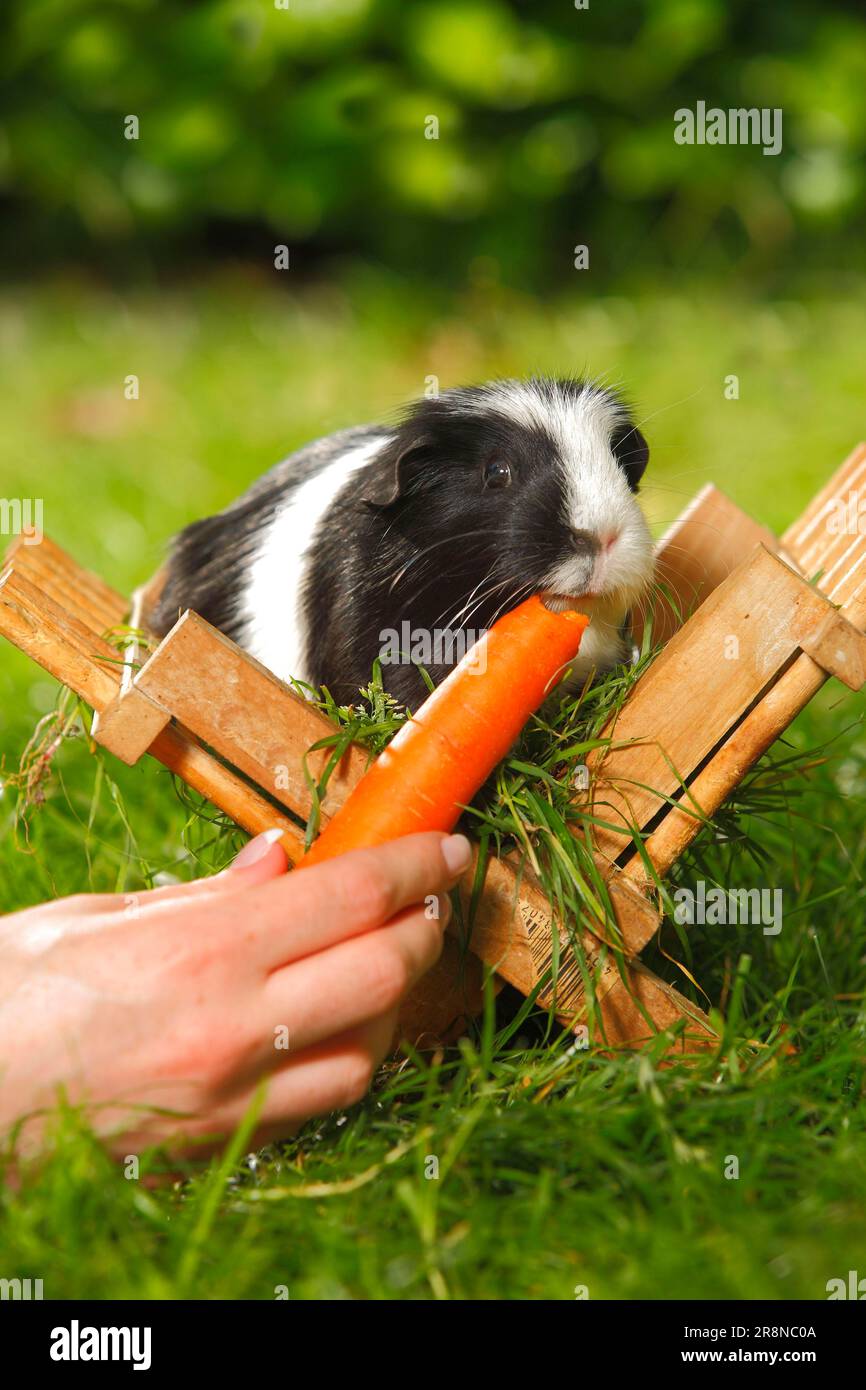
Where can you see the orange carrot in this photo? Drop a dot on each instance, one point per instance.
(438, 760)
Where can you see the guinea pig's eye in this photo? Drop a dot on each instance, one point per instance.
(496, 473)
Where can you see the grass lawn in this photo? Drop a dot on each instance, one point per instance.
(557, 1169)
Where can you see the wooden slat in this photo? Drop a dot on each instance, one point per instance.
(625, 1025)
(70, 651)
(711, 538)
(695, 692)
(807, 537)
(57, 641)
(71, 600)
(512, 933)
(816, 545)
(741, 750)
(240, 709)
(70, 586)
(838, 647)
(829, 539)
(128, 726)
(178, 751)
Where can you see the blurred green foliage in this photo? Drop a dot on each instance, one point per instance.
(308, 126)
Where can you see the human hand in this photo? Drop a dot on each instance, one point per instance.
(162, 1011)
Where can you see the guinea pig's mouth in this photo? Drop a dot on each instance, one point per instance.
(557, 603)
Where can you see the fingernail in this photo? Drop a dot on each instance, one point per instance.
(256, 849)
(457, 853)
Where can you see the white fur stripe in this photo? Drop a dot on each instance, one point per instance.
(275, 630)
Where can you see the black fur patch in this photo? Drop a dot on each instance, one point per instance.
(209, 563)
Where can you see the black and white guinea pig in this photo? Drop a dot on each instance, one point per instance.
(479, 498)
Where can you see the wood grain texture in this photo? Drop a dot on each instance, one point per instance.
(696, 690)
(729, 765)
(178, 751)
(821, 542)
(246, 714)
(128, 726)
(837, 646)
(694, 556)
(56, 640)
(818, 545)
(75, 589)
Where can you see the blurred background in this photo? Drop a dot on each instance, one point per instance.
(304, 122)
(160, 162)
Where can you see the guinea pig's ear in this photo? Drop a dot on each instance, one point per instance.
(389, 478)
(631, 452)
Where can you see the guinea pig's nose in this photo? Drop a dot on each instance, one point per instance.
(585, 542)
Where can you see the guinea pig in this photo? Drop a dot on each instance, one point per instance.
(437, 525)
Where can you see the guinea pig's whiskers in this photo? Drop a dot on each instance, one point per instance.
(462, 616)
(518, 590)
(639, 424)
(511, 600)
(661, 564)
(654, 592)
(422, 554)
(523, 592)
(427, 577)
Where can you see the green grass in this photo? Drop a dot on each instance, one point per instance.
(556, 1169)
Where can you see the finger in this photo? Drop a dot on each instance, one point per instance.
(331, 1076)
(315, 908)
(359, 982)
(260, 860)
(353, 983)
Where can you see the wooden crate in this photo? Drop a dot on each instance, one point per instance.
(692, 726)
